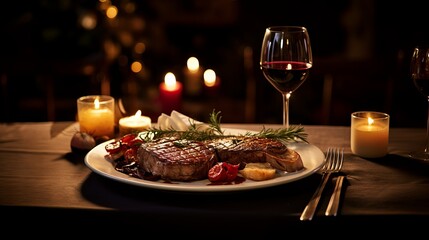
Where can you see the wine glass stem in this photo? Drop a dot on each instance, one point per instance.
(286, 97)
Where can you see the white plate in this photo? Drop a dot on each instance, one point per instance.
(312, 157)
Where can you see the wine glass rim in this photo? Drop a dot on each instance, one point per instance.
(280, 28)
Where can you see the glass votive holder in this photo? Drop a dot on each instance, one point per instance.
(369, 136)
(96, 115)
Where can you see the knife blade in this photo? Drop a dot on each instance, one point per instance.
(332, 208)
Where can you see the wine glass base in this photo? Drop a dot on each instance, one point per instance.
(424, 156)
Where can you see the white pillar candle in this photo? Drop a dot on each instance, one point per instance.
(96, 115)
(134, 124)
(369, 134)
(193, 77)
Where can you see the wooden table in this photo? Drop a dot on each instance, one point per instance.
(44, 184)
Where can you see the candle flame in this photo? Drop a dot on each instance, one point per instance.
(170, 81)
(193, 64)
(370, 121)
(289, 66)
(96, 103)
(209, 78)
(138, 113)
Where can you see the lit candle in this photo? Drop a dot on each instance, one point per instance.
(134, 124)
(96, 115)
(170, 93)
(193, 77)
(369, 134)
(211, 82)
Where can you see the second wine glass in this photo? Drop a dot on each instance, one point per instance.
(420, 76)
(286, 59)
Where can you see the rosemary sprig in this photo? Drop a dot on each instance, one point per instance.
(192, 133)
(293, 133)
(213, 131)
(214, 122)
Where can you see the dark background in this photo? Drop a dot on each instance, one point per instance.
(361, 52)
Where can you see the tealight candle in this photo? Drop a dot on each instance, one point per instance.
(96, 115)
(369, 134)
(134, 124)
(170, 93)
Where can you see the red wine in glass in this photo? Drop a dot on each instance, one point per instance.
(285, 76)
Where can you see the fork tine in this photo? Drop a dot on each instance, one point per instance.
(337, 160)
(337, 157)
(341, 159)
(328, 164)
(332, 159)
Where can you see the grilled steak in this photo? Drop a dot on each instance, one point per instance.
(173, 159)
(185, 160)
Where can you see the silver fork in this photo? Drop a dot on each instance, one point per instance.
(334, 162)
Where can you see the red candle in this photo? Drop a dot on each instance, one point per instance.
(170, 93)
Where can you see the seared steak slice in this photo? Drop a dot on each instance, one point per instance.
(253, 149)
(173, 159)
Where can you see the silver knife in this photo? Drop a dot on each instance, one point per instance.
(332, 208)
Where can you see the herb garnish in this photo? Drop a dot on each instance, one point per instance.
(293, 133)
(212, 130)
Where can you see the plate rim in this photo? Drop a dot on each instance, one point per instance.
(93, 157)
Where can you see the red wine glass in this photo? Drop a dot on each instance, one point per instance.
(420, 75)
(286, 59)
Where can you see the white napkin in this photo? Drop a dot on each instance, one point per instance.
(178, 121)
